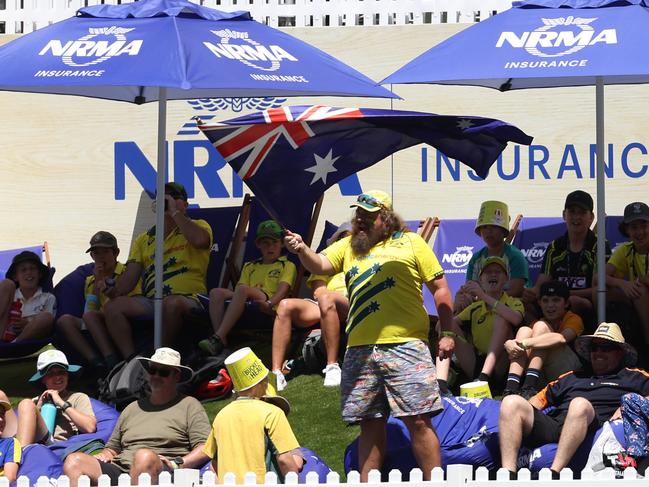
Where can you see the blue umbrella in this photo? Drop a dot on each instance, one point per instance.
(548, 43)
(154, 50)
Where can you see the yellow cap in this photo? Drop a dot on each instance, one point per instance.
(493, 213)
(373, 201)
(245, 369)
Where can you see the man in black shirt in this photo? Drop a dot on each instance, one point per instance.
(581, 402)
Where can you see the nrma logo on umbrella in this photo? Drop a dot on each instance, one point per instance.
(556, 38)
(94, 48)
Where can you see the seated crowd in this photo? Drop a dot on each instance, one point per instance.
(526, 340)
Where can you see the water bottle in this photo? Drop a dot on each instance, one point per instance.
(15, 315)
(92, 303)
(48, 412)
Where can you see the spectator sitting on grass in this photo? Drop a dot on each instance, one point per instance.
(570, 259)
(10, 451)
(493, 227)
(103, 251)
(628, 267)
(544, 348)
(252, 434)
(487, 323)
(26, 311)
(329, 306)
(75, 414)
(265, 281)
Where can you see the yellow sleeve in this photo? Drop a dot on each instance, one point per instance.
(429, 267)
(316, 277)
(574, 322)
(619, 261)
(205, 226)
(289, 273)
(137, 249)
(210, 445)
(336, 252)
(465, 314)
(280, 432)
(516, 304)
(245, 273)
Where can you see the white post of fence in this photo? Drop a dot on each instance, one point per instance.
(187, 477)
(458, 475)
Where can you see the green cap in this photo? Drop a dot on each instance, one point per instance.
(270, 229)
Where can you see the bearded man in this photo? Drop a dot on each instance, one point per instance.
(388, 369)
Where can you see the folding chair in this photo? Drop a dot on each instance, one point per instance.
(533, 237)
(425, 228)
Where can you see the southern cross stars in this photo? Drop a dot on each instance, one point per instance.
(323, 166)
(464, 124)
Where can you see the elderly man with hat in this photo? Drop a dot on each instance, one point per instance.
(628, 268)
(388, 368)
(570, 258)
(252, 434)
(187, 244)
(103, 250)
(155, 434)
(581, 401)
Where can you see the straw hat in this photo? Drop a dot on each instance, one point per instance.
(247, 370)
(610, 332)
(493, 213)
(169, 357)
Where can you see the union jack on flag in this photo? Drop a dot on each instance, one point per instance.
(289, 156)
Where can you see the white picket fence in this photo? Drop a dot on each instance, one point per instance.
(456, 476)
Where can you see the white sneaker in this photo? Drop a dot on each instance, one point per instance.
(332, 374)
(280, 380)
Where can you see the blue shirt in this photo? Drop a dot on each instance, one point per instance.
(10, 452)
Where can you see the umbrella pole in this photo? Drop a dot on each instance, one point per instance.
(601, 199)
(159, 216)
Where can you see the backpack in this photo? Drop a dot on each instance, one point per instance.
(314, 353)
(125, 383)
(210, 381)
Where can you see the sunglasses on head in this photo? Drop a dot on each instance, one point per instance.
(604, 347)
(369, 200)
(160, 372)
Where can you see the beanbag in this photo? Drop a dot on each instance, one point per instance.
(39, 460)
(467, 429)
(106, 420)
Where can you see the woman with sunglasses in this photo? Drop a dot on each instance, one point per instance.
(74, 414)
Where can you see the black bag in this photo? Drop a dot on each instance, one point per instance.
(210, 381)
(125, 383)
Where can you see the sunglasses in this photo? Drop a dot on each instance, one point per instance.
(159, 372)
(604, 347)
(369, 200)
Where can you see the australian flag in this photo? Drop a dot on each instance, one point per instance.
(289, 156)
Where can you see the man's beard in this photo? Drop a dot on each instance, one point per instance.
(364, 238)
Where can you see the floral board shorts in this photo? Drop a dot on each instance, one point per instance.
(396, 379)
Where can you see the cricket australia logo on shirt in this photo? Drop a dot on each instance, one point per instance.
(558, 37)
(99, 45)
(239, 46)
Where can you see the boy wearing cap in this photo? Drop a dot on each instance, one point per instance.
(628, 267)
(570, 259)
(329, 306)
(252, 434)
(545, 346)
(104, 251)
(28, 310)
(488, 322)
(580, 401)
(186, 246)
(492, 226)
(265, 281)
(10, 450)
(75, 414)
